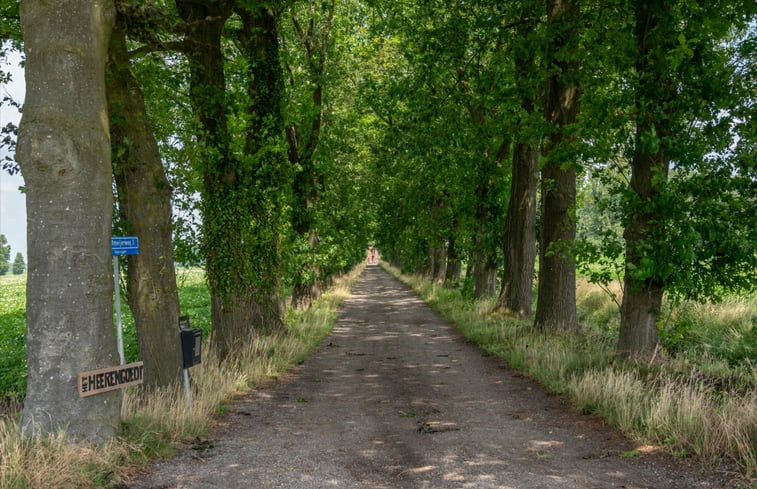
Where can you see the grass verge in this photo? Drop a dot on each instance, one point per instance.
(684, 407)
(158, 425)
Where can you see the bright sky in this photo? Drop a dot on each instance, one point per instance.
(12, 201)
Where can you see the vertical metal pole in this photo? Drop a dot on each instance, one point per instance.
(119, 327)
(186, 388)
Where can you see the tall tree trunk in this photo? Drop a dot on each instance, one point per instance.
(520, 234)
(268, 179)
(144, 204)
(484, 275)
(439, 267)
(484, 248)
(642, 292)
(225, 218)
(452, 274)
(314, 40)
(64, 154)
(556, 304)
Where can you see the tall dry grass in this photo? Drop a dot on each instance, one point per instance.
(155, 425)
(700, 406)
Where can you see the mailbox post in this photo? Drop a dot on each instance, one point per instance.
(191, 350)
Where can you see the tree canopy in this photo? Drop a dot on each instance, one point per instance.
(481, 143)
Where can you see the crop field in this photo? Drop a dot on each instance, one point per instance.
(194, 299)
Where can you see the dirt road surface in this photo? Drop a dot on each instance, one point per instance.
(395, 398)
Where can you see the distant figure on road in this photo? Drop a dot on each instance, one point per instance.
(373, 255)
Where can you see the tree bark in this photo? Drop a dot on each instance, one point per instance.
(452, 274)
(302, 151)
(144, 204)
(268, 178)
(484, 248)
(225, 198)
(519, 244)
(643, 290)
(439, 268)
(520, 234)
(520, 223)
(484, 275)
(556, 304)
(64, 154)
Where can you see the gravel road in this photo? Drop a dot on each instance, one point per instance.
(395, 398)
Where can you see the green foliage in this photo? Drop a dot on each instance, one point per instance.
(19, 266)
(5, 255)
(437, 91)
(702, 239)
(725, 331)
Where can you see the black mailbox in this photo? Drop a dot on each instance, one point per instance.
(191, 343)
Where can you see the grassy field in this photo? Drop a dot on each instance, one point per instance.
(155, 426)
(699, 401)
(193, 297)
(12, 336)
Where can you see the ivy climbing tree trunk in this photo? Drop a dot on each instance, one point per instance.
(642, 289)
(144, 204)
(224, 212)
(64, 154)
(243, 195)
(556, 303)
(303, 141)
(268, 175)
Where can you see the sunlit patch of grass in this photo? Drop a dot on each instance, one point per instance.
(43, 462)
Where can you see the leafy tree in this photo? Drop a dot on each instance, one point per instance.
(144, 205)
(19, 266)
(556, 303)
(64, 155)
(237, 157)
(5, 255)
(309, 44)
(686, 93)
(444, 156)
(520, 223)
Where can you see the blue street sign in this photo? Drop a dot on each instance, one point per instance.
(124, 245)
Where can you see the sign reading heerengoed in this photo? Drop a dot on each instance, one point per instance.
(108, 379)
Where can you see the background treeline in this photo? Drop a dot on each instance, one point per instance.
(610, 139)
(504, 148)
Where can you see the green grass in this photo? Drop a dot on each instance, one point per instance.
(12, 336)
(700, 401)
(193, 298)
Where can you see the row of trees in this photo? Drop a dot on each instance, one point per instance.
(215, 131)
(272, 141)
(633, 115)
(18, 266)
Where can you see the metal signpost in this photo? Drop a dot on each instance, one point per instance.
(119, 246)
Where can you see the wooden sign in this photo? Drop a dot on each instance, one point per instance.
(108, 379)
